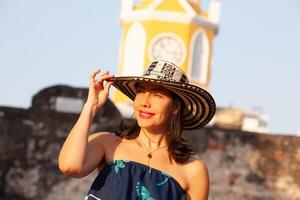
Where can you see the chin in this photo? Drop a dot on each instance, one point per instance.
(144, 124)
(149, 124)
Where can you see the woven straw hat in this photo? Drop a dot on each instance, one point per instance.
(199, 106)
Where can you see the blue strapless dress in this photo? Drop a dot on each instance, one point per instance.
(129, 180)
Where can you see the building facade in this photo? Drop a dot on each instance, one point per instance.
(175, 30)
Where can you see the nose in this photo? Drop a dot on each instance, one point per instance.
(145, 99)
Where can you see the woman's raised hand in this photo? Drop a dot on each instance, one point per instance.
(98, 91)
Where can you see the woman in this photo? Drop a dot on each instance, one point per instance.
(149, 160)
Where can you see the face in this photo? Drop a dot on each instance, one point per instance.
(153, 106)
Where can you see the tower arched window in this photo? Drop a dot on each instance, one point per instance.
(134, 48)
(199, 58)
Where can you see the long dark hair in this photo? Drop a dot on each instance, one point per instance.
(179, 149)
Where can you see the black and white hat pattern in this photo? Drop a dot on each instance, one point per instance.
(199, 106)
(165, 71)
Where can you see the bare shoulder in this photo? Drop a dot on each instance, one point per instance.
(196, 167)
(103, 143)
(198, 179)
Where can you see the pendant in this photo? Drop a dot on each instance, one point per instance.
(149, 155)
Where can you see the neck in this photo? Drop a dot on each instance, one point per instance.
(152, 139)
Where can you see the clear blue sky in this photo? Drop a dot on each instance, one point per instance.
(256, 53)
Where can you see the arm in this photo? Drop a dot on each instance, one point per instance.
(198, 188)
(81, 153)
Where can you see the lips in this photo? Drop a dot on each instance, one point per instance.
(145, 114)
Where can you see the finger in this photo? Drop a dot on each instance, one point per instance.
(107, 87)
(94, 73)
(111, 79)
(100, 86)
(104, 77)
(106, 72)
(99, 83)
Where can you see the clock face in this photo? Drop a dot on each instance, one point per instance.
(167, 47)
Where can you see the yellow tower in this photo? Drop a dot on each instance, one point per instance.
(174, 30)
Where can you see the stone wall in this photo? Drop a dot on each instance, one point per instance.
(30, 140)
(250, 166)
(242, 165)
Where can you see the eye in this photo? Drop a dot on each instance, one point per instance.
(157, 94)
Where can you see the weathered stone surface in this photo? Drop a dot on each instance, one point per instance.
(246, 165)
(242, 165)
(30, 141)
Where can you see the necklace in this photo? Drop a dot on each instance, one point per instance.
(150, 153)
(149, 138)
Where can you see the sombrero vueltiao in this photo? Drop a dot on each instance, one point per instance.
(199, 106)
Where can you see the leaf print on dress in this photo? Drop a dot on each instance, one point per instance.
(166, 176)
(118, 165)
(142, 192)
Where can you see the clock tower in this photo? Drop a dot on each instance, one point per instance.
(175, 30)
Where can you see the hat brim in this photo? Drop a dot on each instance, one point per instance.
(199, 105)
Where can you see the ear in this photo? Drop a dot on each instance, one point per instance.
(176, 108)
(175, 111)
